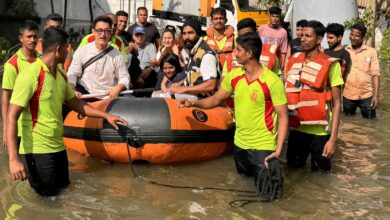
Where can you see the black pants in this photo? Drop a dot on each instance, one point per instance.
(364, 105)
(47, 173)
(249, 162)
(300, 145)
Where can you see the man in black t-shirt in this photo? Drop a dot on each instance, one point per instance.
(295, 44)
(123, 17)
(151, 32)
(334, 34)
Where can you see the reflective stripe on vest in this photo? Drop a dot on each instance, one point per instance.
(307, 96)
(226, 53)
(268, 55)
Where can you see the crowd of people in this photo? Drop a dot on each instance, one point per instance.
(278, 89)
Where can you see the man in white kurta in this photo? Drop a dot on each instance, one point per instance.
(108, 74)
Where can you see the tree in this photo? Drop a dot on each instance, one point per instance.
(23, 9)
(371, 18)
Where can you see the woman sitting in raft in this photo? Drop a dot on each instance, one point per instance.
(169, 44)
(171, 73)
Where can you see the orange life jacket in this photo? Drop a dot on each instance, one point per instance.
(307, 91)
(226, 53)
(268, 55)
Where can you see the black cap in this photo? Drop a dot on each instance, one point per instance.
(195, 25)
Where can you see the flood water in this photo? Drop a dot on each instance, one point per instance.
(357, 188)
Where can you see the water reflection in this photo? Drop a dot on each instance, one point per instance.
(357, 188)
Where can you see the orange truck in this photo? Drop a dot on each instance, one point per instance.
(175, 12)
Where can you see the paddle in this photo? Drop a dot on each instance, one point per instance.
(88, 96)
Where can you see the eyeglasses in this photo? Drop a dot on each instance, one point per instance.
(106, 31)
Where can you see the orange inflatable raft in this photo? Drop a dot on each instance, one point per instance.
(158, 132)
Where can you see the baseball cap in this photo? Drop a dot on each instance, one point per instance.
(139, 30)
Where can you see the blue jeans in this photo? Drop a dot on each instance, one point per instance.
(364, 105)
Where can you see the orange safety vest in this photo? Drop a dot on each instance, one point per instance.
(226, 53)
(307, 91)
(268, 55)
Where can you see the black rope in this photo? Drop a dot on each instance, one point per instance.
(272, 192)
(176, 186)
(239, 203)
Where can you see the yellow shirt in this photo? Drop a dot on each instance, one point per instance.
(256, 118)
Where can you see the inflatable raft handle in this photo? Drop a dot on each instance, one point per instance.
(133, 139)
(88, 96)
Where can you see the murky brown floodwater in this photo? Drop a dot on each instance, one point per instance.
(357, 188)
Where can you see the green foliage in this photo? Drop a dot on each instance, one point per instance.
(274, 2)
(269, 3)
(76, 35)
(368, 19)
(384, 50)
(21, 9)
(4, 46)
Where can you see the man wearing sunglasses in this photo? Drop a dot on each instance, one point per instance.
(98, 67)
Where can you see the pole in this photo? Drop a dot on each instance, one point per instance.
(65, 12)
(135, 11)
(129, 11)
(145, 90)
(90, 11)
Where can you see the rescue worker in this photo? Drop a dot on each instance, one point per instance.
(295, 44)
(55, 21)
(220, 38)
(38, 96)
(24, 57)
(268, 56)
(260, 112)
(313, 84)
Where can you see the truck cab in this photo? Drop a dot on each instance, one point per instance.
(241, 9)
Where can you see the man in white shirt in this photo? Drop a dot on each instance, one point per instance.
(108, 74)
